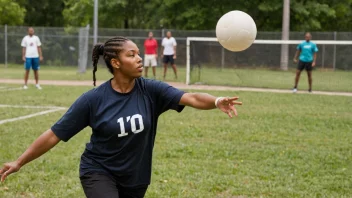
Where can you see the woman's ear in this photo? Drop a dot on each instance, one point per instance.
(115, 63)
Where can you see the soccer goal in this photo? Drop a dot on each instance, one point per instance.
(209, 63)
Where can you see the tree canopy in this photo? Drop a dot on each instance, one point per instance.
(12, 13)
(313, 15)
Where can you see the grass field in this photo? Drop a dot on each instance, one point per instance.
(281, 145)
(260, 78)
(264, 78)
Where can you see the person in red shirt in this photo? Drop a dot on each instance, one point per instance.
(151, 54)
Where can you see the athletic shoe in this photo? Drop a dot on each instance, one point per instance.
(309, 90)
(294, 90)
(38, 86)
(25, 87)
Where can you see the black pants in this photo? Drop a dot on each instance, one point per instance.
(100, 185)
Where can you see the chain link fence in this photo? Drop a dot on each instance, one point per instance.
(63, 47)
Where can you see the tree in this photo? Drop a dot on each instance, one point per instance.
(112, 14)
(78, 12)
(306, 15)
(11, 13)
(122, 13)
(343, 16)
(44, 13)
(187, 14)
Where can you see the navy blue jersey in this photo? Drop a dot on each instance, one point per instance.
(123, 128)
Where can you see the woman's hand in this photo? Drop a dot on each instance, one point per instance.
(227, 105)
(41, 145)
(9, 168)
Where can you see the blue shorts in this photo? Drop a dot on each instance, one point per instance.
(31, 62)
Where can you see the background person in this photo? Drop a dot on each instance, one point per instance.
(31, 55)
(169, 52)
(151, 54)
(307, 52)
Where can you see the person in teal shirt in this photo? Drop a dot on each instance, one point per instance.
(307, 52)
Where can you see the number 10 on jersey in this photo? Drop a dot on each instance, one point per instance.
(131, 120)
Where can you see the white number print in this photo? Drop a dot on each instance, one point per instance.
(132, 120)
(122, 127)
(133, 123)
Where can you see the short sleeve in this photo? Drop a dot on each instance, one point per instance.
(163, 42)
(23, 43)
(74, 120)
(167, 97)
(38, 42)
(299, 47)
(316, 48)
(174, 42)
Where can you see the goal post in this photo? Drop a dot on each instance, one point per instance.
(188, 45)
(262, 53)
(83, 39)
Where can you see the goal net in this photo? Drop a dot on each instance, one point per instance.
(259, 65)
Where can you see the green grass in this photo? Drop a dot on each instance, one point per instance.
(265, 78)
(260, 78)
(51, 73)
(281, 145)
(7, 113)
(70, 73)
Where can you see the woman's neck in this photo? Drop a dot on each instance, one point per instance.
(122, 85)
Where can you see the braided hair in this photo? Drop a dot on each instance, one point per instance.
(109, 50)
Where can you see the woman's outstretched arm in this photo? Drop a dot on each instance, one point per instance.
(41, 145)
(206, 101)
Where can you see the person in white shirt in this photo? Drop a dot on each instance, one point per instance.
(31, 55)
(169, 52)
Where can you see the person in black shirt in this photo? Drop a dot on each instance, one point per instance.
(123, 114)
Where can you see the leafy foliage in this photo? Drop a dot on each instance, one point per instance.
(314, 15)
(44, 13)
(11, 13)
(78, 13)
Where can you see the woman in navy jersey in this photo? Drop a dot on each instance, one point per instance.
(123, 114)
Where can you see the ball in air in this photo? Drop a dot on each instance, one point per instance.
(236, 31)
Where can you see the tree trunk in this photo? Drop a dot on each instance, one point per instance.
(126, 24)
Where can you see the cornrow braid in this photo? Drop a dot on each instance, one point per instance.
(110, 49)
(97, 51)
